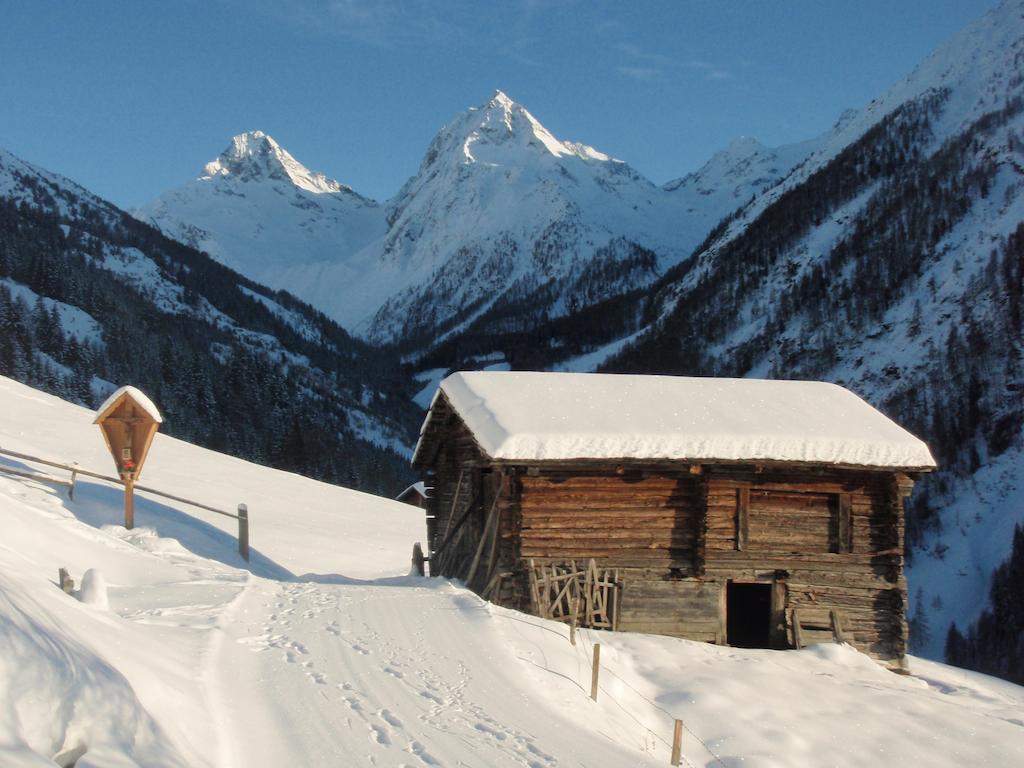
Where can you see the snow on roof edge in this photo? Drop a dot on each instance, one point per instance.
(529, 416)
(136, 395)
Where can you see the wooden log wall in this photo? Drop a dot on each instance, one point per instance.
(830, 540)
(636, 520)
(826, 540)
(645, 524)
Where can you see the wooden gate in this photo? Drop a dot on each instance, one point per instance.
(586, 593)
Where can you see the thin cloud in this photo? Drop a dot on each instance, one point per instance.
(642, 74)
(381, 23)
(648, 66)
(640, 54)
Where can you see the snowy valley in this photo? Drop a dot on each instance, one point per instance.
(322, 650)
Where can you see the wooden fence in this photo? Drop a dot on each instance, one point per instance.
(242, 516)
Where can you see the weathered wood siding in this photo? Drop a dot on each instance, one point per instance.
(645, 524)
(631, 521)
(830, 540)
(679, 607)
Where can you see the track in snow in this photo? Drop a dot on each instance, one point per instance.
(403, 672)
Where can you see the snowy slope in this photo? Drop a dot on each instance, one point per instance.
(733, 176)
(24, 182)
(199, 661)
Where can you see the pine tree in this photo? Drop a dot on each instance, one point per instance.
(918, 626)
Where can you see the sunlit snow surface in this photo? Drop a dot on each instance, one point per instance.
(200, 661)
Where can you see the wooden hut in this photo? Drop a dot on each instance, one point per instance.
(748, 512)
(415, 494)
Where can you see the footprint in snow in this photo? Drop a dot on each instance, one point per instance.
(379, 735)
(421, 752)
(485, 728)
(389, 718)
(353, 703)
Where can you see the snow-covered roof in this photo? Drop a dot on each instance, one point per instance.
(561, 416)
(140, 399)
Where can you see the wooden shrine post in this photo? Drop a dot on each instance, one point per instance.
(128, 420)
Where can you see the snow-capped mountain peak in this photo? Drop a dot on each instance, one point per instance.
(259, 210)
(496, 132)
(254, 156)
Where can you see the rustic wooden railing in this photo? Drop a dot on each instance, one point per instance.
(242, 515)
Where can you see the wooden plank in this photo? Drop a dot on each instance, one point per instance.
(777, 633)
(844, 523)
(455, 501)
(721, 636)
(453, 537)
(742, 517)
(798, 640)
(837, 628)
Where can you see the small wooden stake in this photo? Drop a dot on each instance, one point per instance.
(677, 743)
(417, 559)
(66, 582)
(596, 669)
(243, 531)
(575, 618)
(129, 504)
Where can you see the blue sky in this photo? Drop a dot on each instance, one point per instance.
(132, 98)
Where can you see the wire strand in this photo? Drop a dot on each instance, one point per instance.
(582, 636)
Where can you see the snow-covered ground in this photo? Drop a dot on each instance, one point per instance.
(323, 652)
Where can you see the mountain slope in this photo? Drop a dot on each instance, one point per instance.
(90, 298)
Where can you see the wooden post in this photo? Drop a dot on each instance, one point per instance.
(595, 670)
(418, 559)
(129, 504)
(243, 531)
(71, 490)
(66, 582)
(798, 640)
(677, 743)
(575, 618)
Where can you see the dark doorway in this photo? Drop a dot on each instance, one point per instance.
(748, 614)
